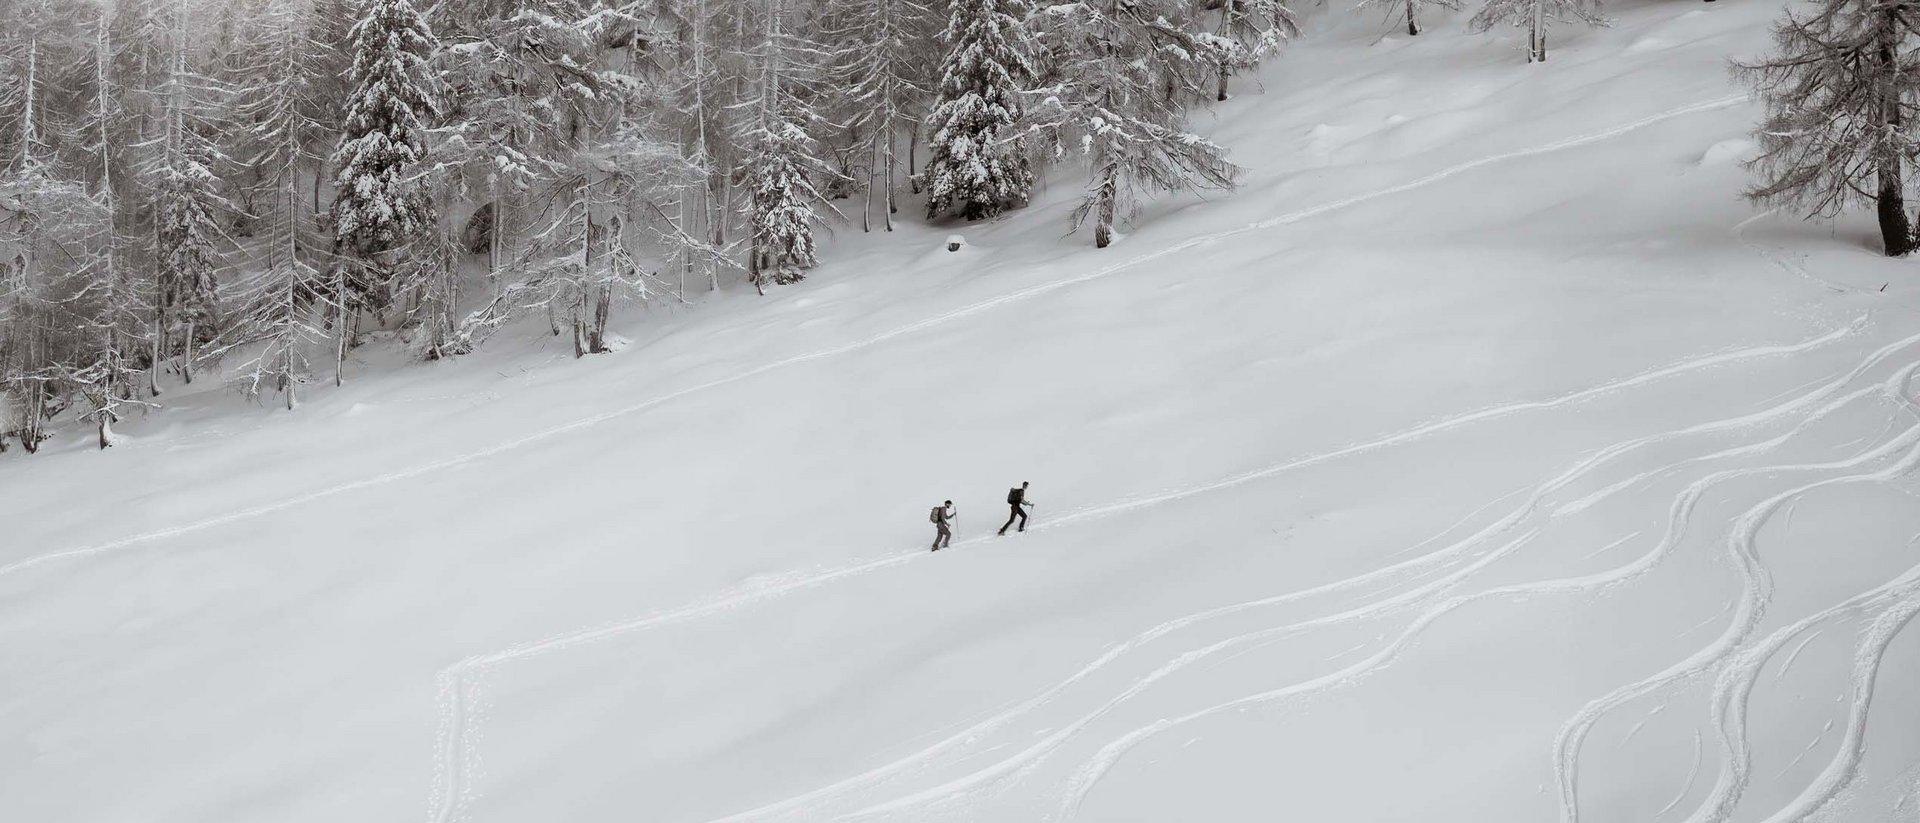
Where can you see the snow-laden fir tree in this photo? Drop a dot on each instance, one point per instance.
(518, 88)
(49, 264)
(781, 159)
(883, 62)
(282, 113)
(285, 311)
(1122, 73)
(1839, 125)
(597, 167)
(705, 70)
(1536, 16)
(287, 315)
(973, 169)
(117, 330)
(381, 201)
(590, 252)
(187, 235)
(1410, 9)
(1244, 33)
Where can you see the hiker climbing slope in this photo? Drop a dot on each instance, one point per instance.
(941, 516)
(1017, 498)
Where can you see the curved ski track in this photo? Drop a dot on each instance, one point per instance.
(460, 685)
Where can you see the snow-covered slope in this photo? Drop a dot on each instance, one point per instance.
(1483, 458)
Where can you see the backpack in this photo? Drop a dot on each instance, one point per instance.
(934, 516)
(1013, 496)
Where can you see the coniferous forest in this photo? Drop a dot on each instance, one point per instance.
(241, 190)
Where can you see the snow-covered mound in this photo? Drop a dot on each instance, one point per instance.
(1483, 458)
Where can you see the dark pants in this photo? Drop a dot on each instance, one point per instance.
(1019, 511)
(943, 538)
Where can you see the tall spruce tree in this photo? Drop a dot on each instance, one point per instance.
(782, 161)
(381, 201)
(988, 63)
(1838, 128)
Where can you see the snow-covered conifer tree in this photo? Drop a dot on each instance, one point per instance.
(48, 270)
(1535, 16)
(184, 185)
(1247, 32)
(1123, 72)
(520, 86)
(117, 328)
(781, 159)
(278, 121)
(883, 61)
(705, 73)
(381, 202)
(613, 165)
(987, 64)
(1838, 129)
(283, 311)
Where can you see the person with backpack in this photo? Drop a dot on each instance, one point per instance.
(1017, 498)
(941, 516)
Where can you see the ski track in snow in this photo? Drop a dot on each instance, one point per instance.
(1893, 604)
(1090, 774)
(1755, 593)
(1024, 761)
(1787, 664)
(460, 684)
(936, 320)
(1693, 773)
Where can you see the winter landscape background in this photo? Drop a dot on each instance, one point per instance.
(1482, 454)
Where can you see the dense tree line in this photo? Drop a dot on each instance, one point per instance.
(239, 190)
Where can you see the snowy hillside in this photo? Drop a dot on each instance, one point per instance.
(1484, 457)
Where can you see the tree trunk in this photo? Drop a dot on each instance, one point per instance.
(1896, 231)
(32, 417)
(153, 367)
(1221, 94)
(1413, 26)
(602, 311)
(493, 245)
(1537, 38)
(1103, 225)
(725, 208)
(106, 431)
(186, 360)
(913, 161)
(892, 176)
(866, 205)
(343, 326)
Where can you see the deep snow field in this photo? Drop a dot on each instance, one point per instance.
(1484, 458)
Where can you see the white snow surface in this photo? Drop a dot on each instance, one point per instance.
(1483, 458)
